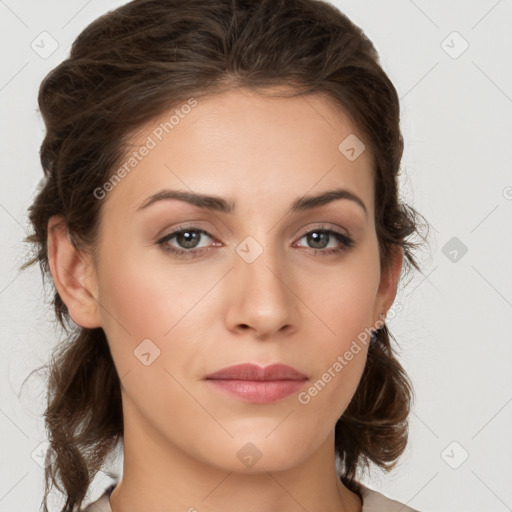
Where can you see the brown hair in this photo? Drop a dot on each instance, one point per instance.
(126, 68)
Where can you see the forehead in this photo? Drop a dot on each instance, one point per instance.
(242, 143)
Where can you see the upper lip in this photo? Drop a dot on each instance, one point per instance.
(254, 372)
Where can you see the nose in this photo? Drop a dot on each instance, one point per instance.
(262, 296)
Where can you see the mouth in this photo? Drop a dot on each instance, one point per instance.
(256, 384)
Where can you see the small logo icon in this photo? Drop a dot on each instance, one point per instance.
(454, 455)
(249, 454)
(39, 454)
(44, 45)
(454, 250)
(249, 249)
(146, 352)
(351, 147)
(454, 45)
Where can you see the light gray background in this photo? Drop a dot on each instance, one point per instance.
(454, 329)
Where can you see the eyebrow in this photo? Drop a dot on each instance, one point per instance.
(222, 205)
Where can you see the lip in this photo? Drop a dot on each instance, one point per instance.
(250, 371)
(257, 384)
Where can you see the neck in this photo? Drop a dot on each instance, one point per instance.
(158, 475)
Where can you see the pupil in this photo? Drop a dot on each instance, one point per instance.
(188, 238)
(315, 236)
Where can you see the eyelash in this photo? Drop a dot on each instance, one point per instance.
(346, 242)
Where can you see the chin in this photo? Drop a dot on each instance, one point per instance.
(252, 454)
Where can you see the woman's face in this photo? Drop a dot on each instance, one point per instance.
(255, 279)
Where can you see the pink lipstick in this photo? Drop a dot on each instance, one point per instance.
(257, 384)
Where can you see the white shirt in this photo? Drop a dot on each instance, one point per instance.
(373, 501)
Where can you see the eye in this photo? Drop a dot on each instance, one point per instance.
(187, 238)
(319, 240)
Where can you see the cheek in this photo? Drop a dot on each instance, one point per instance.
(346, 298)
(145, 318)
(143, 298)
(339, 359)
(149, 310)
(345, 304)
(329, 393)
(340, 349)
(135, 306)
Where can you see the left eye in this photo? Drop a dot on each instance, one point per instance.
(318, 236)
(189, 238)
(186, 238)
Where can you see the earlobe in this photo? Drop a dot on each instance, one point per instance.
(73, 275)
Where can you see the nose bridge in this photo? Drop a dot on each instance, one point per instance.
(263, 299)
(259, 263)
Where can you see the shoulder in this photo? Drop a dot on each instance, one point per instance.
(102, 504)
(374, 501)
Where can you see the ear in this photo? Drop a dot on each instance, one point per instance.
(388, 284)
(73, 274)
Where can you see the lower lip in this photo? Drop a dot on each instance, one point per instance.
(262, 392)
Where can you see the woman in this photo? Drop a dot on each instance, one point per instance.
(221, 222)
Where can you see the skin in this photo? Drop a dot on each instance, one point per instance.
(214, 310)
